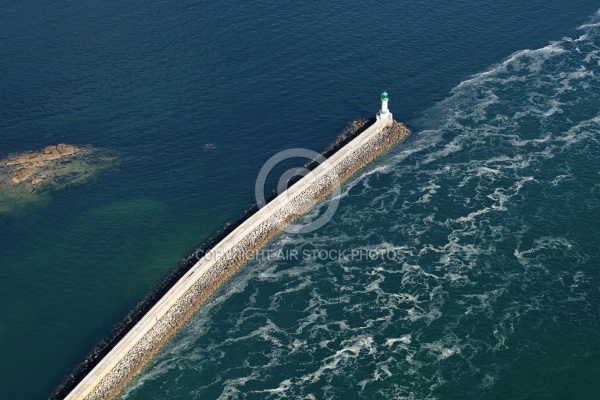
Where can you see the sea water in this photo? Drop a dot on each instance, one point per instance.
(463, 264)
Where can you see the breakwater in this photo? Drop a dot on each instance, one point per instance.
(194, 287)
(351, 131)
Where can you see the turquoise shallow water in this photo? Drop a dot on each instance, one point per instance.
(490, 208)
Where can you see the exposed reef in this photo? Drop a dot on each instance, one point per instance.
(27, 178)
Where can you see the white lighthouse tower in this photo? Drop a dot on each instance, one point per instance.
(384, 114)
(384, 104)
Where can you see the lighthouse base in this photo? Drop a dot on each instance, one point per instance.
(384, 116)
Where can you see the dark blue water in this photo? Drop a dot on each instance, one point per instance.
(491, 207)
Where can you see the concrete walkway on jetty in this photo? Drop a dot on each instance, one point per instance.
(130, 355)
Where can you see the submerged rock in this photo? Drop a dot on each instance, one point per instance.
(27, 177)
(40, 166)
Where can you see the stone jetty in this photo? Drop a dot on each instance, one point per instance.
(167, 316)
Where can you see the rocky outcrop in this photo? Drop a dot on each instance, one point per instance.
(49, 153)
(38, 166)
(26, 177)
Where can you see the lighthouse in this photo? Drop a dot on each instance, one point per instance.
(384, 103)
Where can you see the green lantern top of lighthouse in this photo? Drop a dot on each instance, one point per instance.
(384, 96)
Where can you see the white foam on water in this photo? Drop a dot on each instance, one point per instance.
(405, 339)
(470, 265)
(530, 59)
(592, 24)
